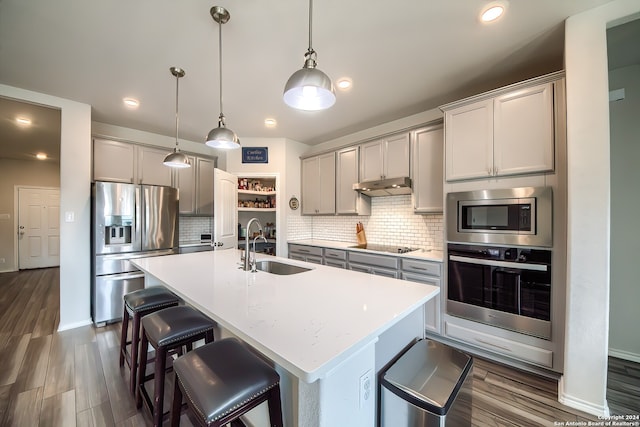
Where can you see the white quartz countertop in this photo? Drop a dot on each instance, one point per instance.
(427, 255)
(308, 323)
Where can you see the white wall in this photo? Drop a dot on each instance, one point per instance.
(284, 160)
(583, 385)
(624, 341)
(75, 188)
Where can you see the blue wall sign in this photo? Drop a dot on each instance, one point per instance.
(255, 154)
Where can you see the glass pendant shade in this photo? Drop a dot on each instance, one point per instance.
(309, 89)
(176, 159)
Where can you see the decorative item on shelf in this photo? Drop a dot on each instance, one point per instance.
(176, 159)
(309, 88)
(221, 137)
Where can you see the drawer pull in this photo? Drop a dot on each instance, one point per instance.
(413, 267)
(502, 347)
(303, 250)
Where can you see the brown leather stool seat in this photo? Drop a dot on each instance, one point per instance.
(222, 381)
(167, 330)
(136, 305)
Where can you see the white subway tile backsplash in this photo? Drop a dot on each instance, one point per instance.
(392, 222)
(192, 226)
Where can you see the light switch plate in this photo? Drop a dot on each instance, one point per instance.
(69, 216)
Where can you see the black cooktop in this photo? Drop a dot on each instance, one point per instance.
(385, 248)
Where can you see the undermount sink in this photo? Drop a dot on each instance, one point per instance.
(275, 267)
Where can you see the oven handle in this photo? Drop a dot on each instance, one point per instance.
(495, 263)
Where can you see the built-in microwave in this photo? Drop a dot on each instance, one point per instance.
(514, 216)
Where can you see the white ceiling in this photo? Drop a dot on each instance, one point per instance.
(404, 57)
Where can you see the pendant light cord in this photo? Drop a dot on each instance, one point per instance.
(221, 120)
(177, 84)
(310, 23)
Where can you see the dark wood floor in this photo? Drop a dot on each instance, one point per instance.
(72, 378)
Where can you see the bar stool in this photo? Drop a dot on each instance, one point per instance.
(136, 305)
(167, 330)
(222, 381)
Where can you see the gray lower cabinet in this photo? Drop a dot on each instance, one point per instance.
(335, 258)
(311, 254)
(427, 272)
(374, 264)
(415, 270)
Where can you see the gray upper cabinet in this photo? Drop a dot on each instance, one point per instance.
(204, 185)
(196, 186)
(349, 201)
(510, 131)
(186, 184)
(385, 158)
(151, 170)
(113, 161)
(319, 185)
(427, 145)
(124, 162)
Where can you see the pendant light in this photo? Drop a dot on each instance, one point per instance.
(176, 159)
(221, 137)
(309, 88)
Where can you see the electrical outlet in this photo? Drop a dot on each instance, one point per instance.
(2, 260)
(366, 387)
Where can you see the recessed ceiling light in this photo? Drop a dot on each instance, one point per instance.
(41, 156)
(492, 12)
(131, 103)
(270, 123)
(23, 121)
(344, 83)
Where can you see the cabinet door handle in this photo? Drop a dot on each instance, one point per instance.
(495, 171)
(502, 347)
(489, 172)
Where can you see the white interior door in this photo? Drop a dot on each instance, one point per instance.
(38, 227)
(225, 210)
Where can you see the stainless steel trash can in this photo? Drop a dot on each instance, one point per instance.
(429, 385)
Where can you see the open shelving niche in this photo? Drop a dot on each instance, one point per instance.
(266, 213)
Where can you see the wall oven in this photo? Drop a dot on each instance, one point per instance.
(506, 287)
(514, 216)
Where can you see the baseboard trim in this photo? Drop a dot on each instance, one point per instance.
(625, 355)
(580, 404)
(74, 325)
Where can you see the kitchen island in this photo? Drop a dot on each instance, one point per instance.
(327, 331)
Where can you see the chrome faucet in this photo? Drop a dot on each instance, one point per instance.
(248, 266)
(253, 263)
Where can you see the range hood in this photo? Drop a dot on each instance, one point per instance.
(384, 187)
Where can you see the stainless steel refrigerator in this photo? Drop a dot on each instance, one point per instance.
(128, 221)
